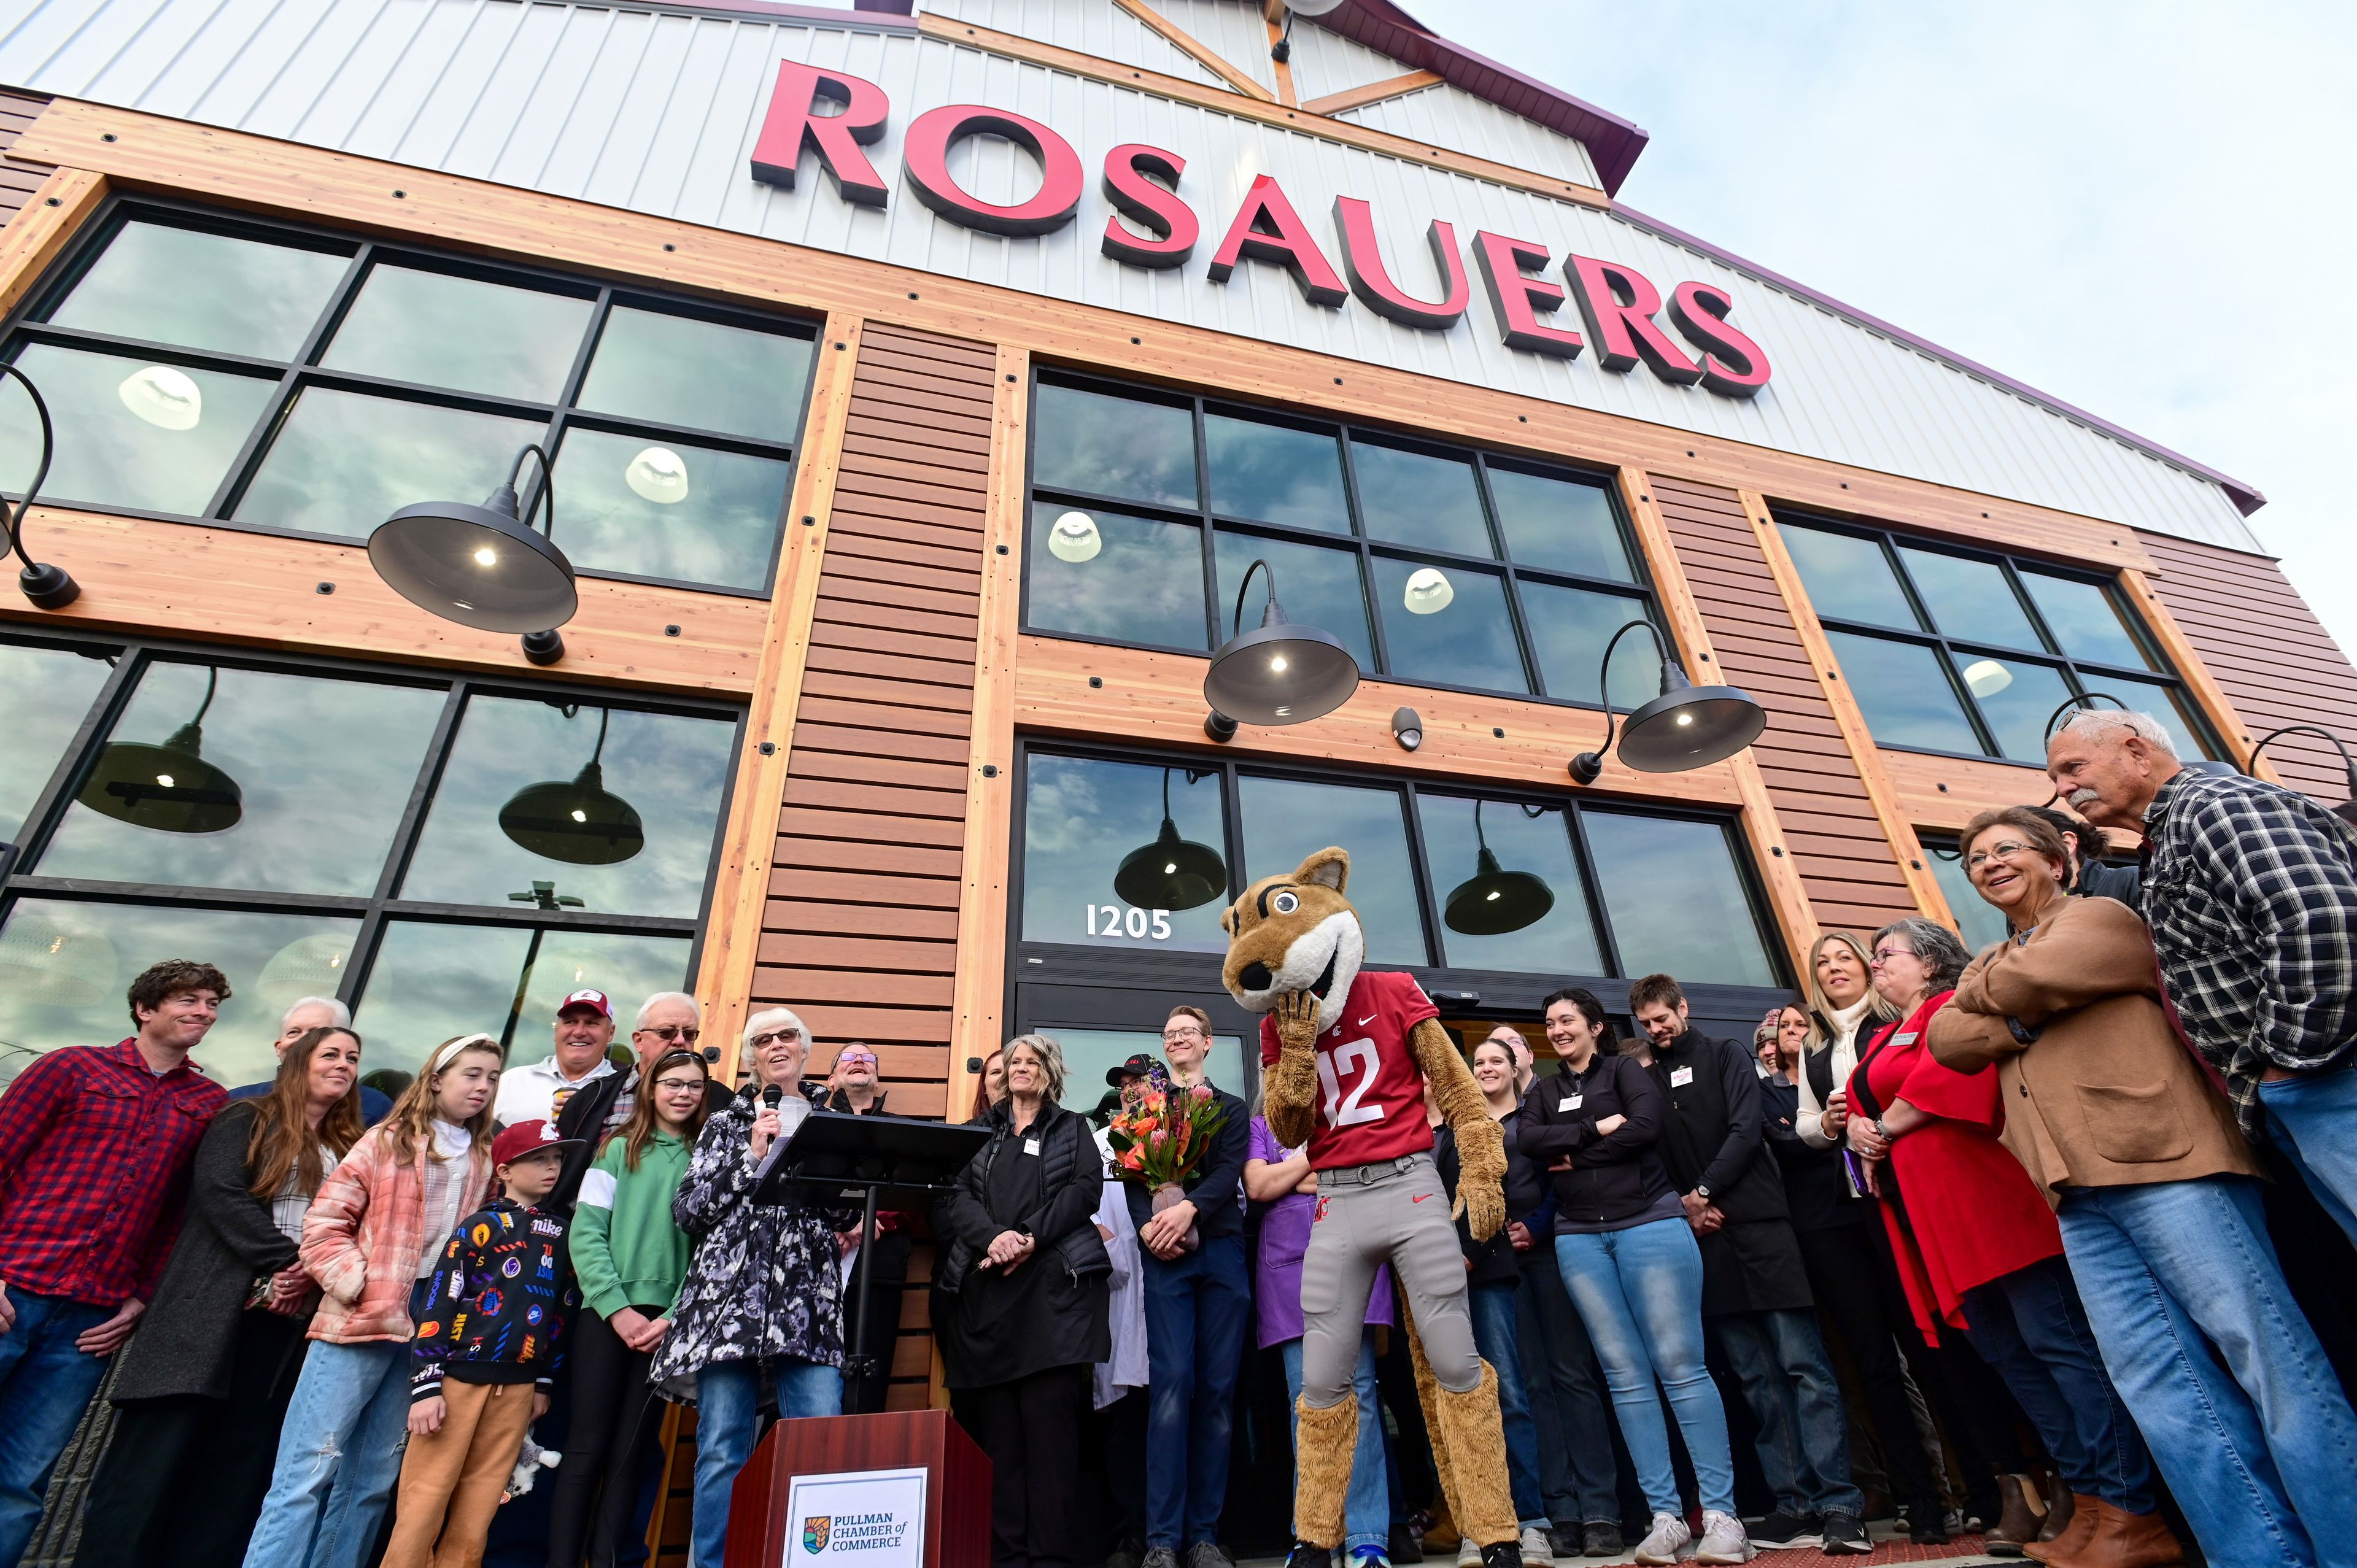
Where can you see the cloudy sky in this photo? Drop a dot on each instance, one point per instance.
(2143, 210)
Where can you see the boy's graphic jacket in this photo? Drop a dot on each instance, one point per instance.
(502, 1295)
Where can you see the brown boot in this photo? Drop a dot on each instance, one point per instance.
(2121, 1539)
(2085, 1511)
(1323, 1449)
(2061, 1507)
(2016, 1527)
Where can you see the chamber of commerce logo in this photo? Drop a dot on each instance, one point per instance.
(815, 1533)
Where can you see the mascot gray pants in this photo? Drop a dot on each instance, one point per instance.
(1392, 1212)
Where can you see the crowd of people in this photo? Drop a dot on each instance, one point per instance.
(1973, 1242)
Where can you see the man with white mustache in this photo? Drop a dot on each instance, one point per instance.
(2251, 891)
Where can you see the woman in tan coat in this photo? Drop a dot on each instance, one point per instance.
(2129, 1136)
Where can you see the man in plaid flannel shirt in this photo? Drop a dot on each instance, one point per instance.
(2251, 891)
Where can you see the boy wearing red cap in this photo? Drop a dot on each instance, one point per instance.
(487, 1351)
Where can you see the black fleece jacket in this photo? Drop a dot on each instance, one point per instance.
(1715, 1127)
(1616, 1178)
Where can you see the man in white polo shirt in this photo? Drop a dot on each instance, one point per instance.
(538, 1090)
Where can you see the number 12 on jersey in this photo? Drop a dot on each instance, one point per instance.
(1356, 1060)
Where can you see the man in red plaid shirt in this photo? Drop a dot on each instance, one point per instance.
(95, 1145)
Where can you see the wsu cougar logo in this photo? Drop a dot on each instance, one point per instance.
(815, 1531)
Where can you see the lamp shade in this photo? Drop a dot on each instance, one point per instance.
(1494, 901)
(1171, 873)
(1279, 673)
(578, 822)
(478, 566)
(170, 788)
(1689, 725)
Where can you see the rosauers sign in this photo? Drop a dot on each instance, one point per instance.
(1618, 308)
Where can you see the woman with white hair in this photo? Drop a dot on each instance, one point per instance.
(763, 1301)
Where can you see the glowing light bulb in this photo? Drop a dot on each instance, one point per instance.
(1277, 663)
(487, 556)
(580, 816)
(1073, 537)
(1685, 718)
(1430, 591)
(164, 779)
(1493, 896)
(1171, 869)
(658, 474)
(1285, 712)
(163, 397)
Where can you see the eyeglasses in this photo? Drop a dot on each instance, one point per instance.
(2006, 851)
(670, 1032)
(762, 1042)
(850, 1057)
(1884, 955)
(1173, 1036)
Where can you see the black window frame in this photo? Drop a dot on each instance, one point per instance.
(131, 656)
(1208, 523)
(27, 323)
(2082, 678)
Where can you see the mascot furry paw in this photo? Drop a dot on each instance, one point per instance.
(1345, 1055)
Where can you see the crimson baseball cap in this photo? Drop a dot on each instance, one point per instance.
(527, 1138)
(586, 999)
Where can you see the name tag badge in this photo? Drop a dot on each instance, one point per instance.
(1570, 1103)
(1680, 1077)
(1906, 1040)
(1030, 1145)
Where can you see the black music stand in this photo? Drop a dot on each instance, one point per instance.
(896, 1160)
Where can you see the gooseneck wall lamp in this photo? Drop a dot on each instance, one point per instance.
(170, 788)
(2347, 810)
(49, 587)
(1493, 900)
(1686, 727)
(1171, 873)
(577, 820)
(483, 565)
(1279, 672)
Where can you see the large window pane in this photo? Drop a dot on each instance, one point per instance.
(617, 811)
(1969, 598)
(288, 784)
(432, 981)
(1847, 578)
(676, 369)
(2162, 703)
(1318, 587)
(1532, 840)
(2015, 697)
(2085, 620)
(1272, 473)
(64, 966)
(1675, 899)
(1411, 498)
(1978, 921)
(694, 514)
(45, 693)
(130, 432)
(1114, 446)
(443, 331)
(203, 291)
(1287, 821)
(1906, 698)
(1125, 579)
(1089, 1054)
(1099, 869)
(1570, 628)
(1561, 524)
(1447, 625)
(343, 462)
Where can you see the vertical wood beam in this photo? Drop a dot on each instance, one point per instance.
(1187, 44)
(1285, 94)
(52, 216)
(732, 932)
(2196, 676)
(1912, 864)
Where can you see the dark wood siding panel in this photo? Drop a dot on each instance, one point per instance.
(18, 181)
(2263, 644)
(1828, 825)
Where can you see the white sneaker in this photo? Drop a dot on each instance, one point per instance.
(1468, 1554)
(1536, 1548)
(1724, 1540)
(1667, 1541)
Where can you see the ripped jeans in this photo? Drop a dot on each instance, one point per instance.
(338, 1457)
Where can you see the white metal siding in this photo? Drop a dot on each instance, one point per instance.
(657, 115)
(1234, 30)
(1326, 63)
(1091, 26)
(1446, 117)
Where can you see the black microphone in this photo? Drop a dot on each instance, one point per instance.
(771, 1096)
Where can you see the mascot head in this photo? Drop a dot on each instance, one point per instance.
(1296, 932)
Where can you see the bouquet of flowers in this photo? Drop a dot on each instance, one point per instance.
(1162, 1134)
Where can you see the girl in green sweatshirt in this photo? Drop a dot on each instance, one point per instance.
(629, 1260)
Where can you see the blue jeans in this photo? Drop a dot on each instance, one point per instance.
(1577, 1472)
(1198, 1307)
(1640, 1293)
(45, 1385)
(1804, 1440)
(2313, 1120)
(2030, 1326)
(728, 1423)
(1367, 1509)
(2260, 1454)
(1493, 1336)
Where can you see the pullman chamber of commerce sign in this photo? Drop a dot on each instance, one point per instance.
(835, 116)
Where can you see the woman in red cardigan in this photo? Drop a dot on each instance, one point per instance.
(1977, 1246)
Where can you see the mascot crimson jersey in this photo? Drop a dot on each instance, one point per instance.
(1369, 1089)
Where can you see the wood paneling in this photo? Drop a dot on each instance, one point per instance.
(20, 183)
(1846, 864)
(1186, 43)
(2268, 653)
(1368, 92)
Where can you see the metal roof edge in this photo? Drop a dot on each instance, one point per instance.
(860, 19)
(2247, 497)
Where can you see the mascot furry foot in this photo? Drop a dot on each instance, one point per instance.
(1324, 1447)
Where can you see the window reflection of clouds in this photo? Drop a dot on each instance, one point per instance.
(1317, 587)
(2084, 620)
(108, 456)
(707, 375)
(1560, 524)
(432, 981)
(672, 769)
(1970, 599)
(1272, 473)
(1081, 816)
(1570, 628)
(325, 767)
(1089, 1054)
(1847, 578)
(64, 965)
(2017, 711)
(1286, 819)
(203, 291)
(1906, 698)
(723, 532)
(342, 462)
(441, 331)
(43, 695)
(1145, 585)
(1470, 643)
(1676, 903)
(2159, 700)
(1563, 941)
(1411, 498)
(1114, 446)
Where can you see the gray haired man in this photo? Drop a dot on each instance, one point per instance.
(667, 1021)
(308, 1014)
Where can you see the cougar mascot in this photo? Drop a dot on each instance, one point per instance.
(1345, 1055)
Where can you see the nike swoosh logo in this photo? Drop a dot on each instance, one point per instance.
(1419, 1197)
(1367, 1020)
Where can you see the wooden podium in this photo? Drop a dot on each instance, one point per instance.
(956, 1531)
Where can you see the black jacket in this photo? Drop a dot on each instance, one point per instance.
(500, 1302)
(1493, 1262)
(1615, 1178)
(2125, 883)
(188, 1334)
(1714, 1128)
(1217, 1181)
(587, 1111)
(1071, 1178)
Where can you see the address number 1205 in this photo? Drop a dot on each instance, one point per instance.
(1112, 921)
